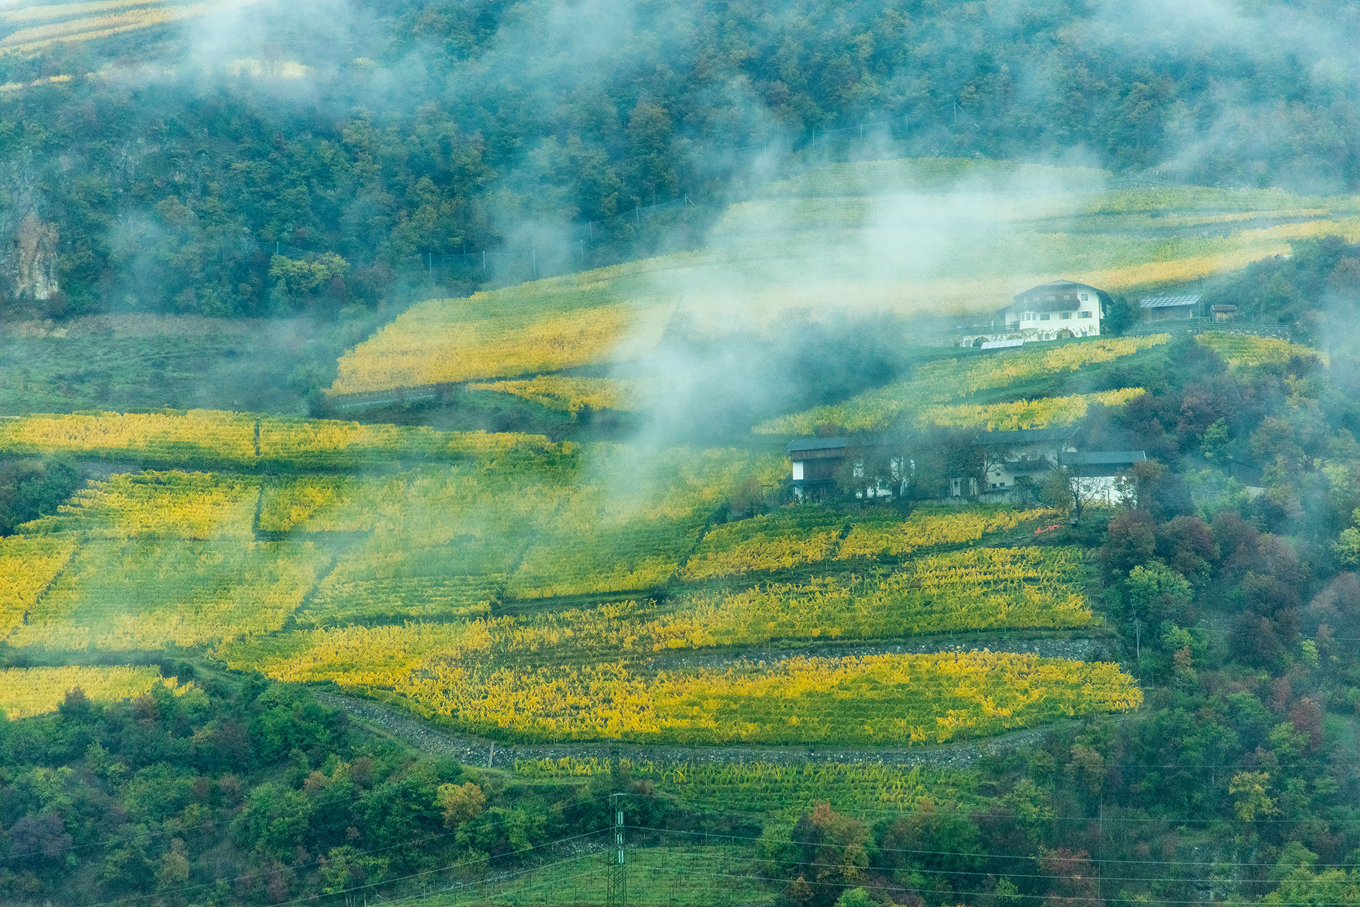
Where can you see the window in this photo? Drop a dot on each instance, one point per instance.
(1066, 316)
(1085, 314)
(1083, 297)
(1043, 317)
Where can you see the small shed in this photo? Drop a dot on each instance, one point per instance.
(814, 461)
(1169, 308)
(1222, 313)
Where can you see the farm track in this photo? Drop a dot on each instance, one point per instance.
(1080, 648)
(478, 752)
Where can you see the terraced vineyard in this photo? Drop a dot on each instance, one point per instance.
(573, 394)
(920, 399)
(32, 27)
(515, 573)
(1247, 350)
(207, 438)
(1120, 240)
(528, 590)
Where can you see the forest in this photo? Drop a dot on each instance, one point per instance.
(416, 141)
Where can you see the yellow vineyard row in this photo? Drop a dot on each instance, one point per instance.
(34, 691)
(199, 436)
(884, 699)
(988, 588)
(91, 27)
(939, 382)
(1022, 414)
(1248, 350)
(27, 567)
(926, 529)
(189, 505)
(573, 394)
(136, 595)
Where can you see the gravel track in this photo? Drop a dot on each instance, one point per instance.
(1079, 648)
(469, 750)
(484, 753)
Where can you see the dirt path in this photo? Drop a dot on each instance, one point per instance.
(484, 753)
(1074, 648)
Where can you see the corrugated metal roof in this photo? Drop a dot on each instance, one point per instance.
(1002, 344)
(798, 444)
(1167, 302)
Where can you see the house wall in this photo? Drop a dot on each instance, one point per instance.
(1033, 461)
(1083, 321)
(1106, 489)
(1169, 313)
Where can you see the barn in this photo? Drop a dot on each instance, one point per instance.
(814, 462)
(1169, 308)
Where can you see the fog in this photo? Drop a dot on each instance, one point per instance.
(578, 113)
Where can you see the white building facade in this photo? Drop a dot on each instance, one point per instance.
(1060, 309)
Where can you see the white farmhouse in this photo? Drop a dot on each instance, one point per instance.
(1061, 308)
(1057, 310)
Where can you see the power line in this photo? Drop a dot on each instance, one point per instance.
(428, 872)
(989, 856)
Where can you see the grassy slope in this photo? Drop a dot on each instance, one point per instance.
(908, 237)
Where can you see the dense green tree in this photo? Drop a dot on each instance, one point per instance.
(31, 488)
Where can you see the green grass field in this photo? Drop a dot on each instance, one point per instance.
(681, 874)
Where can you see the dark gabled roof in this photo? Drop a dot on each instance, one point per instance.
(1028, 435)
(1104, 457)
(798, 444)
(1035, 299)
(1169, 302)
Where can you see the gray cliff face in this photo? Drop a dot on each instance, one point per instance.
(28, 260)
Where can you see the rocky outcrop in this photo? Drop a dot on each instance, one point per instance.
(28, 263)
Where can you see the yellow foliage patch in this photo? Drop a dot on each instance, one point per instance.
(1022, 414)
(25, 692)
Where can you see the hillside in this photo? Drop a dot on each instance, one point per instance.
(513, 452)
(260, 159)
(929, 242)
(560, 599)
